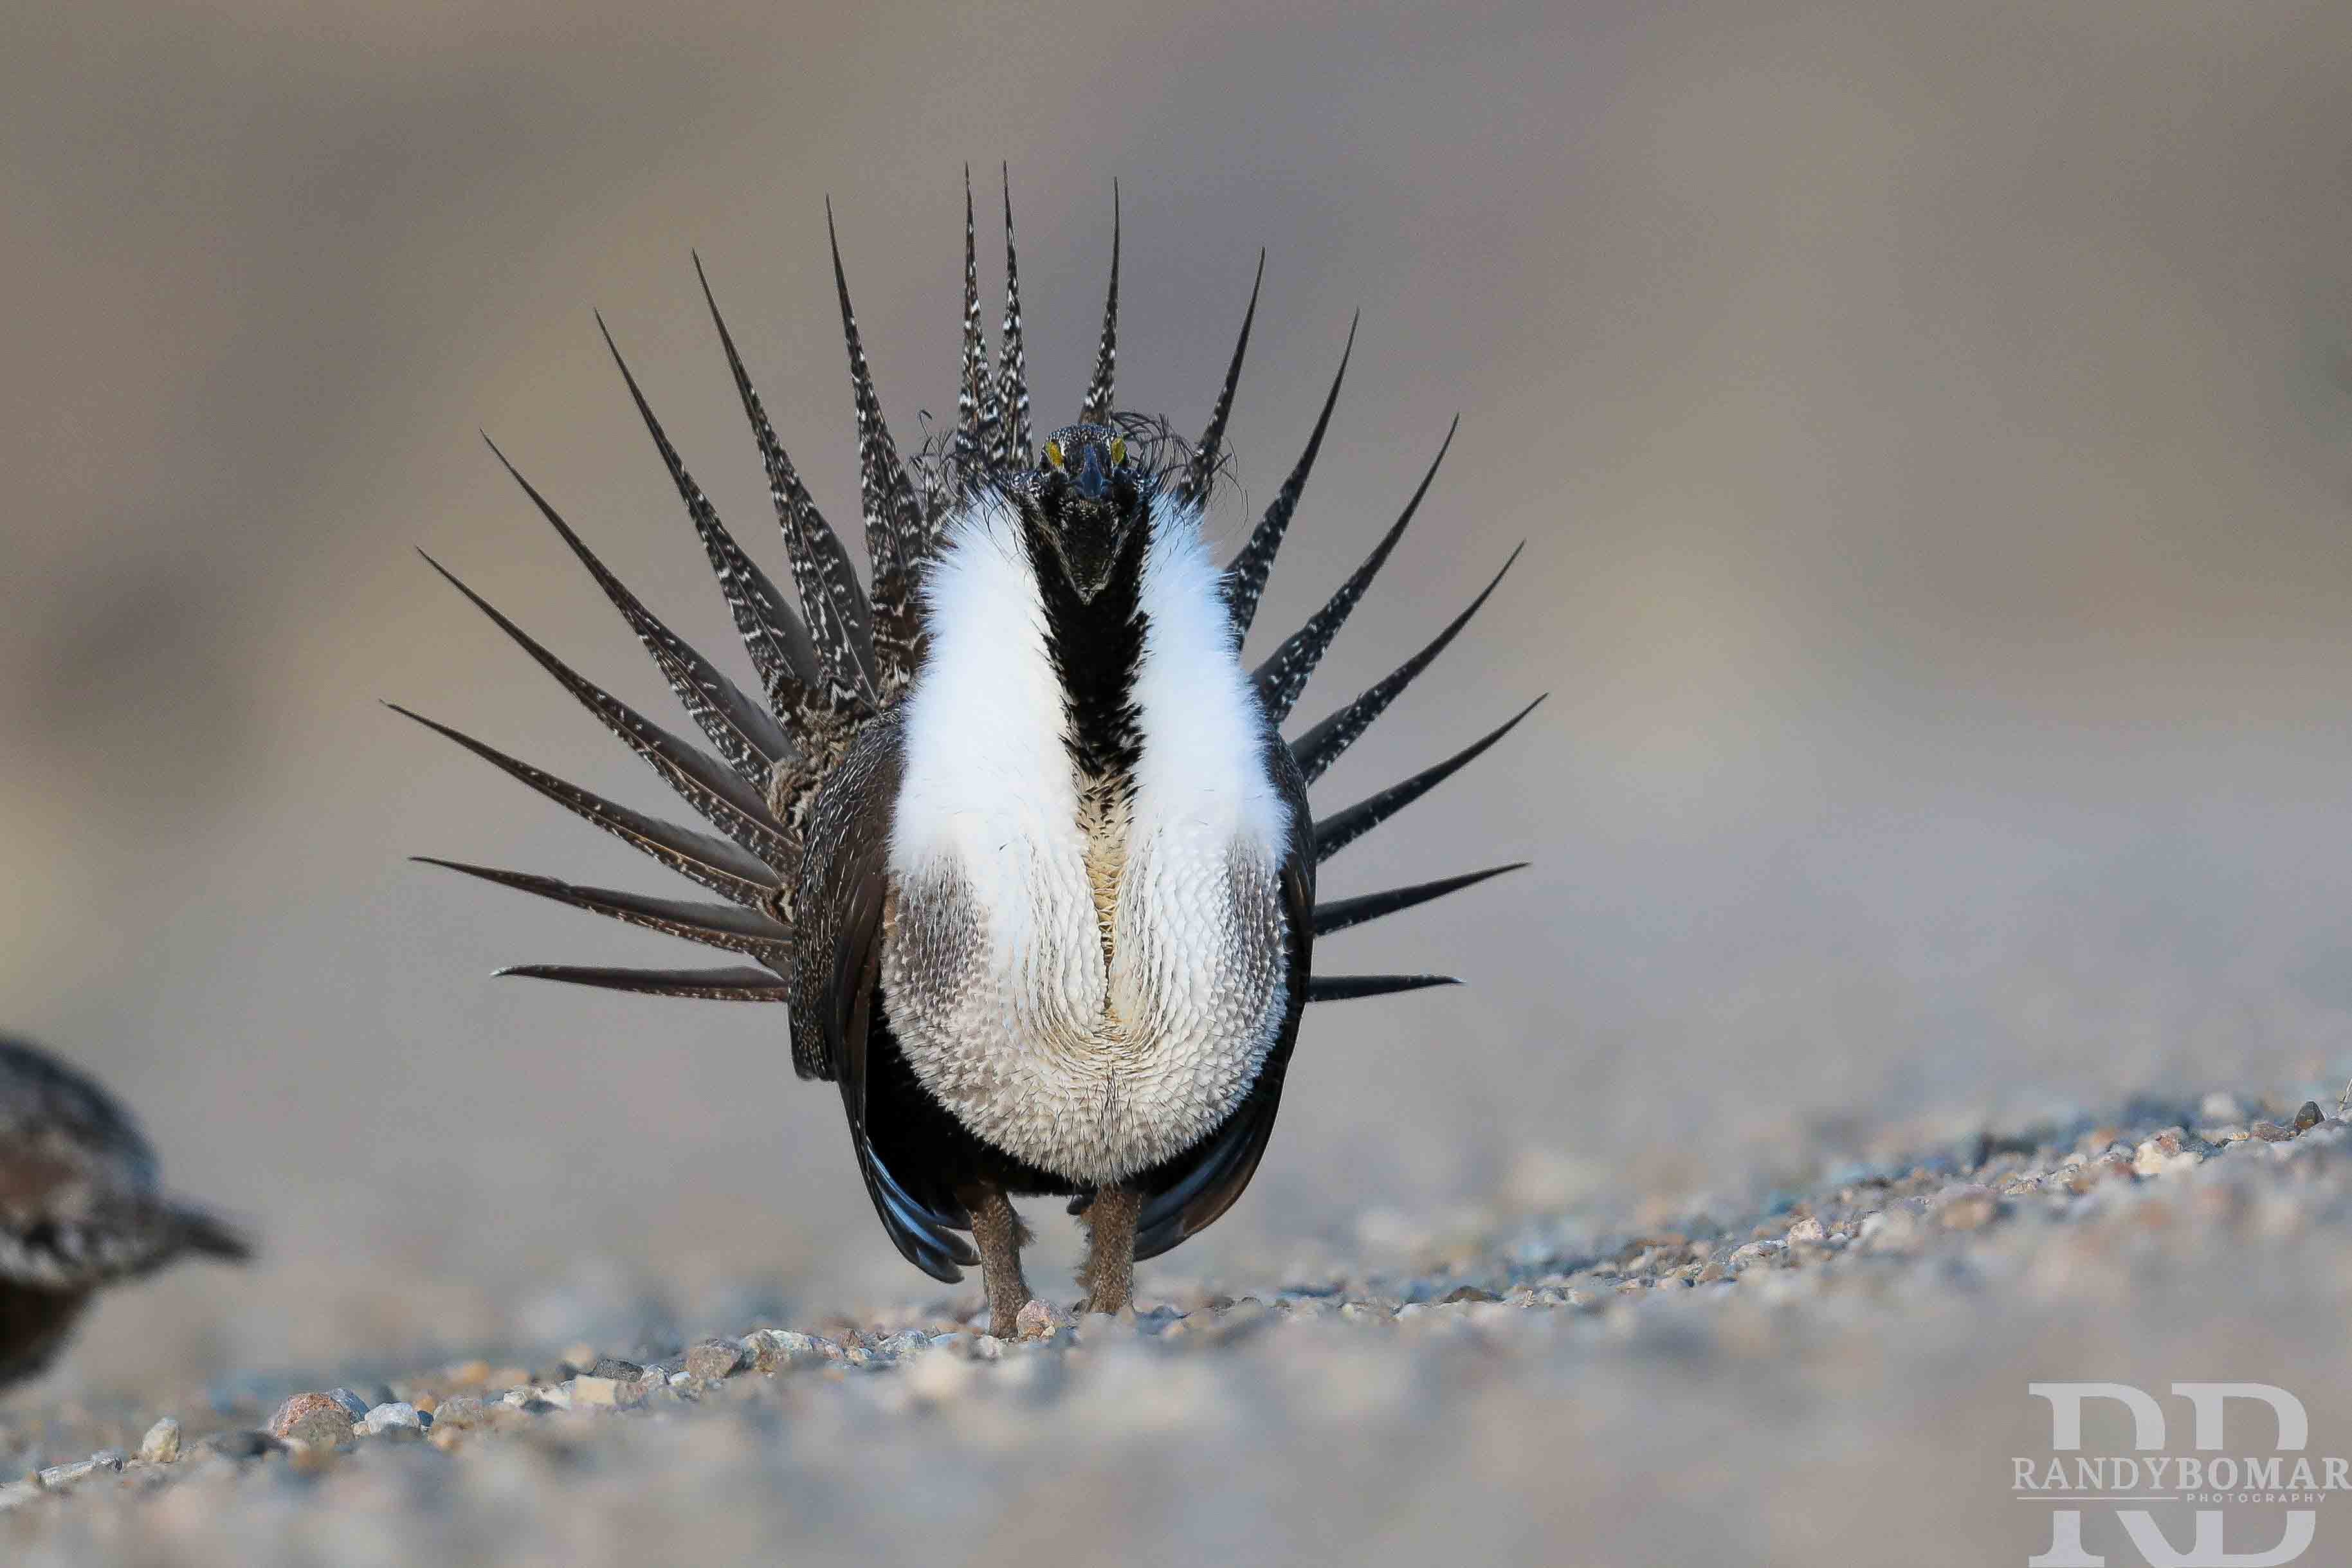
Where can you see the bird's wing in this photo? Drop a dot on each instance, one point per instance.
(1187, 1194)
(845, 890)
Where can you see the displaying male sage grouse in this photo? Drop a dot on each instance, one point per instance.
(80, 1208)
(1013, 834)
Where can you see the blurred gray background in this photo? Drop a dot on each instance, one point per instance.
(1932, 425)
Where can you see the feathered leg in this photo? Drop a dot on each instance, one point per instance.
(1109, 1273)
(998, 1233)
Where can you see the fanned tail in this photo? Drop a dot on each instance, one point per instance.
(836, 653)
(1283, 676)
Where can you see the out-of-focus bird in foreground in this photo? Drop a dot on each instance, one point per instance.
(80, 1206)
(1014, 834)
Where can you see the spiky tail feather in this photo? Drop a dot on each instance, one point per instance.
(848, 653)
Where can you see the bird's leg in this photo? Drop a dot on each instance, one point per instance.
(1109, 1273)
(998, 1233)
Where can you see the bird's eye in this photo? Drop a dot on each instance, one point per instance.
(1117, 451)
(1054, 453)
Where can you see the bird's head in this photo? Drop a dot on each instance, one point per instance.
(1088, 496)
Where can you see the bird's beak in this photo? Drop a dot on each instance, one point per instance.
(1091, 480)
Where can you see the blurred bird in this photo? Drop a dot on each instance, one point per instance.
(80, 1208)
(1012, 833)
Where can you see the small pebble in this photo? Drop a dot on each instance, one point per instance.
(318, 1419)
(780, 1350)
(396, 1420)
(161, 1444)
(1041, 1320)
(714, 1360)
(590, 1393)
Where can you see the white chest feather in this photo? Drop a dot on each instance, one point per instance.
(1091, 991)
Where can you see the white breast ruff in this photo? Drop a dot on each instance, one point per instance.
(994, 970)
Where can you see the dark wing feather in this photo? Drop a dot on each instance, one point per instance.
(1185, 1195)
(743, 730)
(713, 862)
(1341, 913)
(1245, 577)
(746, 932)
(1336, 832)
(844, 886)
(735, 984)
(1284, 673)
(1322, 745)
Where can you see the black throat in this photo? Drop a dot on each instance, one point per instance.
(1097, 647)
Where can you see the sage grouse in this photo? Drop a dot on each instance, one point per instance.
(80, 1208)
(1012, 834)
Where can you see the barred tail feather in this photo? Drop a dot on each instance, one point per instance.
(1340, 913)
(1348, 987)
(779, 646)
(1010, 448)
(1322, 745)
(715, 864)
(1245, 576)
(736, 984)
(746, 931)
(1097, 409)
(1336, 832)
(896, 537)
(743, 732)
(1211, 450)
(1286, 670)
(719, 796)
(840, 622)
(974, 409)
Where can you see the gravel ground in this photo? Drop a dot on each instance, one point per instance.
(1822, 1363)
